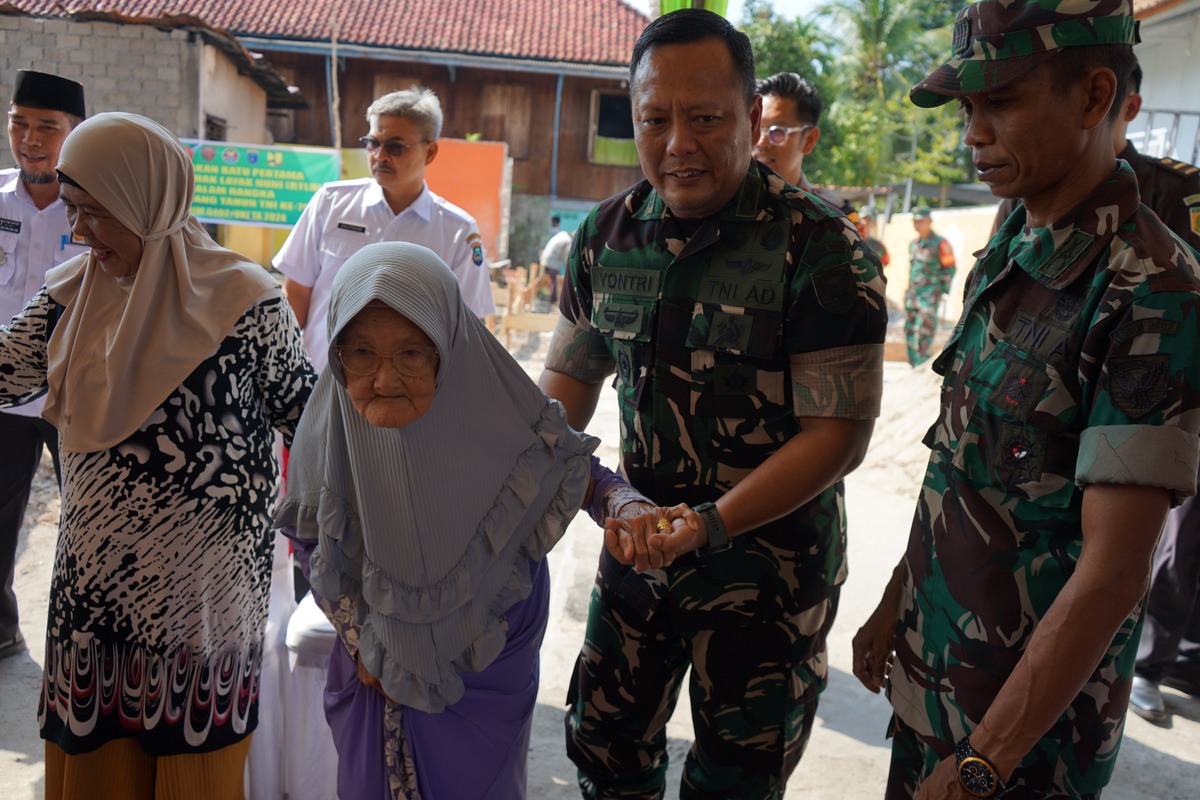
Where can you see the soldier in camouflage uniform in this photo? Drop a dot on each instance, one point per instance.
(1067, 429)
(744, 320)
(930, 271)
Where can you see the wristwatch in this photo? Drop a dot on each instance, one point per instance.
(975, 773)
(718, 539)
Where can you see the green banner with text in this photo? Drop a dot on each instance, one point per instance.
(266, 185)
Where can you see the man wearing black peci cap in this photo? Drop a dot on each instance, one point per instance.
(34, 236)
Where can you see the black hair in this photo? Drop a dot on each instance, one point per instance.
(555, 220)
(1135, 78)
(1075, 62)
(791, 86)
(688, 25)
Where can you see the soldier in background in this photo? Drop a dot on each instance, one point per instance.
(745, 323)
(1067, 428)
(930, 271)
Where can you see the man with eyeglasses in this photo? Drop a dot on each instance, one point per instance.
(394, 204)
(791, 109)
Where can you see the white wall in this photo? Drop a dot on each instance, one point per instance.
(1170, 45)
(241, 102)
(1168, 54)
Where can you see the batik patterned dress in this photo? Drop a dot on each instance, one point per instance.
(162, 573)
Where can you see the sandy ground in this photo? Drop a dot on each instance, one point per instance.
(847, 756)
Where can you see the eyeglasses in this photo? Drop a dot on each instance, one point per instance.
(392, 148)
(411, 362)
(778, 134)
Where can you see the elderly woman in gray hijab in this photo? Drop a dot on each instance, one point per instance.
(433, 476)
(168, 362)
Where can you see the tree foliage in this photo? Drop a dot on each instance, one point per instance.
(864, 56)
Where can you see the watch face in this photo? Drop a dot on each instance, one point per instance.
(977, 777)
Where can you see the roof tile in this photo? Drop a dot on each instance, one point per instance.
(579, 31)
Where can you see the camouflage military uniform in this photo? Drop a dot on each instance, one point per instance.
(930, 271)
(721, 336)
(1170, 188)
(1073, 358)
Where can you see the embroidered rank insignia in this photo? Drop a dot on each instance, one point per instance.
(734, 379)
(1137, 384)
(961, 44)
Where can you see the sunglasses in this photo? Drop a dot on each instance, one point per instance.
(778, 134)
(391, 147)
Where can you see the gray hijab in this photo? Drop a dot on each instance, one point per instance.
(430, 528)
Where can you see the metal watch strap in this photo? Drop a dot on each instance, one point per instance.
(980, 778)
(718, 539)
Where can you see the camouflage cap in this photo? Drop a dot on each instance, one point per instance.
(998, 41)
(922, 212)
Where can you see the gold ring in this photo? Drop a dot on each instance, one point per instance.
(663, 525)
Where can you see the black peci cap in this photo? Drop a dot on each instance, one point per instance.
(42, 90)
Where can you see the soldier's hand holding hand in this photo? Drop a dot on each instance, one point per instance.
(650, 537)
(682, 532)
(626, 536)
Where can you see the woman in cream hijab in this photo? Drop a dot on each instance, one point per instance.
(433, 476)
(168, 362)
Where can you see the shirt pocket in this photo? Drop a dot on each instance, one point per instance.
(738, 378)
(337, 249)
(1020, 435)
(8, 257)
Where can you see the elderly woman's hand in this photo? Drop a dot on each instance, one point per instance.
(650, 537)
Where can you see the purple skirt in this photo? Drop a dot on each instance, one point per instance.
(476, 748)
